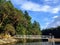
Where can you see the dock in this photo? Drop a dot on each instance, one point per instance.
(49, 38)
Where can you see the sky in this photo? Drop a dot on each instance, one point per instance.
(46, 12)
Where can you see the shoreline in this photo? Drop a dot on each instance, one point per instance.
(54, 40)
(13, 41)
(8, 41)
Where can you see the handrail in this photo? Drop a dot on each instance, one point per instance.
(33, 36)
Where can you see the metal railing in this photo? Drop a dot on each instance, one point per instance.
(33, 36)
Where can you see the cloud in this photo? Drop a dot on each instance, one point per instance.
(55, 17)
(35, 7)
(52, 1)
(55, 10)
(47, 24)
(31, 6)
(55, 22)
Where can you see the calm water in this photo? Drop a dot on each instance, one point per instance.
(36, 43)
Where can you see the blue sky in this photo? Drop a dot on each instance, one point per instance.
(43, 11)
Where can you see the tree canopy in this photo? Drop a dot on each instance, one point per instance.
(14, 20)
(52, 31)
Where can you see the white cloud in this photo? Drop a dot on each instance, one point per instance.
(55, 16)
(31, 6)
(45, 8)
(58, 23)
(56, 10)
(52, 1)
(47, 24)
(55, 22)
(36, 7)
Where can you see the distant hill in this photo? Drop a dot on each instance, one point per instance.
(52, 31)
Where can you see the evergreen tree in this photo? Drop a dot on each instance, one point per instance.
(14, 20)
(36, 28)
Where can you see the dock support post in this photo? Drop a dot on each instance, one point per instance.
(53, 41)
(24, 40)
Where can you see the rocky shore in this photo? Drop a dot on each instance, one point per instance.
(7, 41)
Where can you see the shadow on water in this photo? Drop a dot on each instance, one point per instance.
(57, 43)
(35, 43)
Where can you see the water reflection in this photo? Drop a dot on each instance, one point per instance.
(35, 43)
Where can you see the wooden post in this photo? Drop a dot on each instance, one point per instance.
(53, 42)
(24, 40)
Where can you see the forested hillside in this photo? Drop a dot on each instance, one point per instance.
(52, 31)
(14, 21)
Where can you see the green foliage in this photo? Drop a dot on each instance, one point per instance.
(21, 29)
(27, 15)
(36, 28)
(2, 1)
(52, 31)
(14, 21)
(9, 29)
